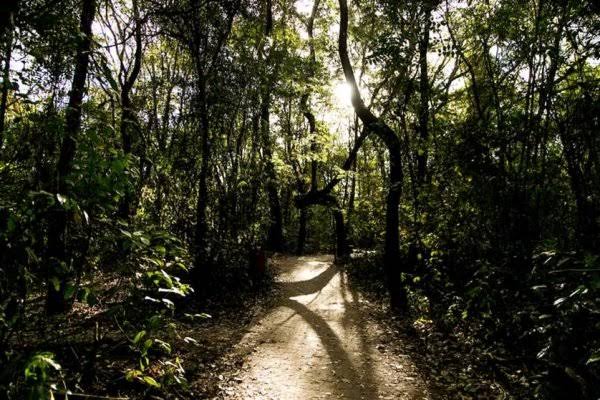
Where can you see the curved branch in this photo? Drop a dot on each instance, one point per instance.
(379, 127)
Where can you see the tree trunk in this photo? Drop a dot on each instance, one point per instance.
(7, 13)
(341, 246)
(275, 234)
(302, 231)
(422, 150)
(392, 265)
(128, 118)
(310, 118)
(353, 167)
(588, 231)
(391, 250)
(6, 75)
(200, 244)
(60, 272)
(306, 98)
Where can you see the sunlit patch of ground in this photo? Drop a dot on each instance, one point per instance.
(317, 342)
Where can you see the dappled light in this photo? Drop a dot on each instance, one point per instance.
(320, 344)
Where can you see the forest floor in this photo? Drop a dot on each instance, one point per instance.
(319, 342)
(321, 338)
(316, 333)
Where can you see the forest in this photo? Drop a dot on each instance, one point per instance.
(300, 199)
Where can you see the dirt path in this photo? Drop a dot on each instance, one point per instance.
(318, 342)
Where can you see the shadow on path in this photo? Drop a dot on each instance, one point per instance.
(317, 317)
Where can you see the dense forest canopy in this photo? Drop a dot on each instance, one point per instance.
(152, 151)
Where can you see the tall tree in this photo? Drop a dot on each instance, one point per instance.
(129, 125)
(390, 139)
(7, 24)
(60, 263)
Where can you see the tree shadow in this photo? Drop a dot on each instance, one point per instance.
(354, 381)
(309, 286)
(352, 307)
(348, 383)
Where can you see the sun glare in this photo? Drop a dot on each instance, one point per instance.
(304, 6)
(342, 93)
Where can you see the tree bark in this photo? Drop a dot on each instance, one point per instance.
(275, 239)
(128, 118)
(352, 194)
(8, 10)
(204, 59)
(6, 70)
(587, 228)
(275, 233)
(200, 242)
(302, 231)
(308, 114)
(390, 139)
(269, 17)
(422, 150)
(5, 81)
(60, 272)
(341, 245)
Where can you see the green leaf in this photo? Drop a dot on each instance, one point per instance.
(160, 249)
(139, 336)
(147, 344)
(49, 360)
(559, 301)
(126, 233)
(132, 373)
(593, 359)
(91, 299)
(167, 278)
(69, 292)
(542, 353)
(169, 303)
(61, 199)
(164, 345)
(188, 339)
(199, 316)
(151, 381)
(55, 283)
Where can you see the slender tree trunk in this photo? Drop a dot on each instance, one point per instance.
(8, 10)
(6, 71)
(200, 242)
(341, 246)
(204, 52)
(275, 234)
(392, 238)
(310, 118)
(588, 231)
(275, 239)
(308, 114)
(129, 124)
(302, 231)
(422, 151)
(392, 264)
(61, 272)
(352, 194)
(314, 179)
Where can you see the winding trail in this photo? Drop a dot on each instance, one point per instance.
(319, 342)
